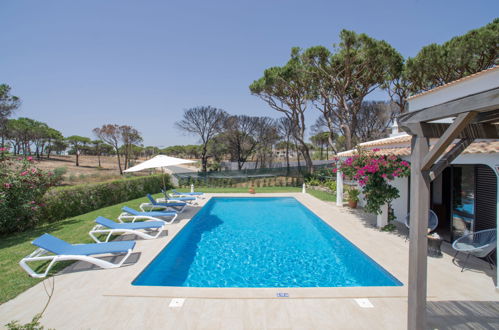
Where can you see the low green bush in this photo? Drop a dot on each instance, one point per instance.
(60, 171)
(64, 202)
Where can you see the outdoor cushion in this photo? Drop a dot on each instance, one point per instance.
(151, 214)
(135, 225)
(58, 246)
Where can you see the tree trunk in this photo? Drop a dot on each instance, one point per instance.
(119, 160)
(204, 159)
(297, 155)
(98, 158)
(287, 156)
(308, 160)
(77, 157)
(348, 136)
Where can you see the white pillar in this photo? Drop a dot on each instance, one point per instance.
(339, 188)
(303, 189)
(382, 219)
(192, 187)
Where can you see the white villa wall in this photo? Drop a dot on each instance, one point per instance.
(400, 204)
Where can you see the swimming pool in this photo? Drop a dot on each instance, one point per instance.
(261, 242)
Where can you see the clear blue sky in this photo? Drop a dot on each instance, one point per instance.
(80, 64)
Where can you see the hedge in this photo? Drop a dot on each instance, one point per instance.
(65, 202)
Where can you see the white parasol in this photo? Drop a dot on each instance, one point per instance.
(159, 161)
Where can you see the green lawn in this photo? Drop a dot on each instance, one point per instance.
(322, 195)
(14, 280)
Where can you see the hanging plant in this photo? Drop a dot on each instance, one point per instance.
(373, 173)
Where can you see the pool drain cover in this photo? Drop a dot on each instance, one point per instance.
(177, 302)
(364, 303)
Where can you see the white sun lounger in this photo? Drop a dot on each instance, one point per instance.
(108, 227)
(132, 215)
(178, 207)
(64, 251)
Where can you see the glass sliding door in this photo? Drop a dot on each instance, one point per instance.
(463, 200)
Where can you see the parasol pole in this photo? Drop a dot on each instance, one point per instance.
(164, 184)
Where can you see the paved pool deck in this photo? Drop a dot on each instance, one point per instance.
(86, 297)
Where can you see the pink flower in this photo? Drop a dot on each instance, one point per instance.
(7, 185)
(404, 163)
(33, 170)
(383, 175)
(24, 173)
(335, 170)
(29, 158)
(376, 149)
(3, 149)
(349, 161)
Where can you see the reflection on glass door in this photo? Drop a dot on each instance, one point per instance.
(463, 200)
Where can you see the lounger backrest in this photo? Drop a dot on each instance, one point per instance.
(153, 201)
(52, 244)
(129, 210)
(105, 222)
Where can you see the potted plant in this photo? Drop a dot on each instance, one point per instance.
(252, 189)
(353, 197)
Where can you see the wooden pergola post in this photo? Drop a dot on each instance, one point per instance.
(475, 116)
(420, 205)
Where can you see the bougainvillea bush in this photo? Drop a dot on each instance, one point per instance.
(373, 173)
(22, 186)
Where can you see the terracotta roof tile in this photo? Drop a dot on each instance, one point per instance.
(480, 147)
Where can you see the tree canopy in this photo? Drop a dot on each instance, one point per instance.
(461, 56)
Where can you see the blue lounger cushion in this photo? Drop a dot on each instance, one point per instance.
(180, 198)
(183, 198)
(134, 225)
(150, 214)
(188, 193)
(58, 246)
(154, 202)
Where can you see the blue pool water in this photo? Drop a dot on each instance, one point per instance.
(261, 242)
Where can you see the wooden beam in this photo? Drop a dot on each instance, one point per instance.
(480, 102)
(436, 130)
(488, 117)
(420, 206)
(447, 159)
(450, 134)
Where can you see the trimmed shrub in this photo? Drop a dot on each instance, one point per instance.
(65, 202)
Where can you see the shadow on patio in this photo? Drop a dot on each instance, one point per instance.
(463, 314)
